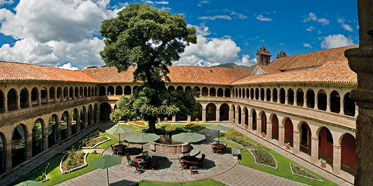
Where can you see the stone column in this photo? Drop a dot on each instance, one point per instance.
(281, 135)
(269, 130)
(327, 102)
(316, 101)
(336, 159)
(18, 102)
(174, 118)
(85, 119)
(29, 146)
(8, 154)
(305, 99)
(217, 115)
(250, 122)
(204, 115)
(69, 127)
(295, 101)
(236, 116)
(29, 100)
(5, 103)
(296, 142)
(258, 126)
(45, 138)
(231, 113)
(243, 118)
(39, 98)
(189, 118)
(342, 103)
(314, 149)
(361, 61)
(286, 98)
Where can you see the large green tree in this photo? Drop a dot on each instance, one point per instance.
(149, 40)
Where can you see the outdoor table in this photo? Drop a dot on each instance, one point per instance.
(189, 160)
(143, 160)
(119, 149)
(194, 152)
(218, 146)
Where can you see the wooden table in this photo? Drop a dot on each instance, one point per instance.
(143, 160)
(218, 147)
(189, 160)
(119, 149)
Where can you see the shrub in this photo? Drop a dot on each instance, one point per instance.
(237, 133)
(262, 156)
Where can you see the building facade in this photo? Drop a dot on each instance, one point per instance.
(303, 101)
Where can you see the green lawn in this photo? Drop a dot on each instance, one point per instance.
(208, 182)
(110, 142)
(55, 175)
(282, 162)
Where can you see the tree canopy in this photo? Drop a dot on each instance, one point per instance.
(150, 40)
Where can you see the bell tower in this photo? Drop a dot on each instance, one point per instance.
(263, 57)
(282, 54)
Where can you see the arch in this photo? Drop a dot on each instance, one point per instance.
(212, 91)
(335, 102)
(65, 93)
(19, 145)
(76, 92)
(101, 91)
(205, 91)
(2, 153)
(171, 88)
(310, 98)
(2, 106)
(211, 112)
(275, 125)
(34, 96)
(119, 90)
(71, 93)
(348, 153)
(325, 144)
(246, 112)
(268, 94)
(253, 119)
(300, 97)
(12, 100)
(199, 115)
(262, 94)
(236, 92)
(81, 92)
(52, 95)
(105, 111)
(59, 94)
(44, 95)
(321, 100)
(220, 92)
(53, 134)
(24, 98)
(263, 119)
(247, 93)
(75, 121)
(89, 115)
(38, 137)
(86, 91)
(305, 137)
(89, 91)
(127, 90)
(110, 91)
(180, 88)
(257, 94)
(243, 93)
(282, 96)
(198, 91)
(239, 92)
(275, 95)
(349, 105)
(224, 112)
(188, 88)
(95, 115)
(252, 93)
(290, 96)
(64, 125)
(239, 114)
(288, 125)
(82, 118)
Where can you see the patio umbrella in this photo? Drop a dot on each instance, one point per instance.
(106, 161)
(30, 183)
(142, 137)
(188, 137)
(118, 129)
(218, 128)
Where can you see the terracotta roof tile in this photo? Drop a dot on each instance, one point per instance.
(22, 71)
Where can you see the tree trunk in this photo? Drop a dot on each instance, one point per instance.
(152, 125)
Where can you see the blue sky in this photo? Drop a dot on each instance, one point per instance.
(65, 32)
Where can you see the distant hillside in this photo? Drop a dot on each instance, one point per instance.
(233, 65)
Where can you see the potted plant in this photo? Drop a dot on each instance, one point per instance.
(246, 127)
(323, 163)
(165, 119)
(287, 145)
(263, 134)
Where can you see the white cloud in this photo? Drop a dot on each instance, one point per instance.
(202, 3)
(162, 2)
(260, 17)
(3, 2)
(68, 66)
(233, 13)
(334, 41)
(312, 17)
(307, 45)
(166, 8)
(53, 31)
(310, 28)
(344, 25)
(149, 2)
(211, 51)
(216, 17)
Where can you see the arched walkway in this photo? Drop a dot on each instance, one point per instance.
(288, 131)
(53, 134)
(274, 127)
(211, 112)
(224, 112)
(348, 153)
(37, 137)
(326, 145)
(105, 111)
(263, 119)
(19, 142)
(305, 138)
(82, 118)
(64, 125)
(253, 119)
(75, 121)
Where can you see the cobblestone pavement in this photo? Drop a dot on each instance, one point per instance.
(22, 170)
(314, 168)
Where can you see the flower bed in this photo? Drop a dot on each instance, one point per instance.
(238, 138)
(264, 158)
(141, 124)
(73, 161)
(300, 171)
(190, 125)
(93, 140)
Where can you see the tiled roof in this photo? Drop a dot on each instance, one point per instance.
(268, 69)
(311, 59)
(331, 71)
(22, 71)
(180, 74)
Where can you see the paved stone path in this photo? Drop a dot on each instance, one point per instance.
(22, 170)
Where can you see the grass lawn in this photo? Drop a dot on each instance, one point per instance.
(208, 182)
(110, 142)
(55, 175)
(283, 165)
